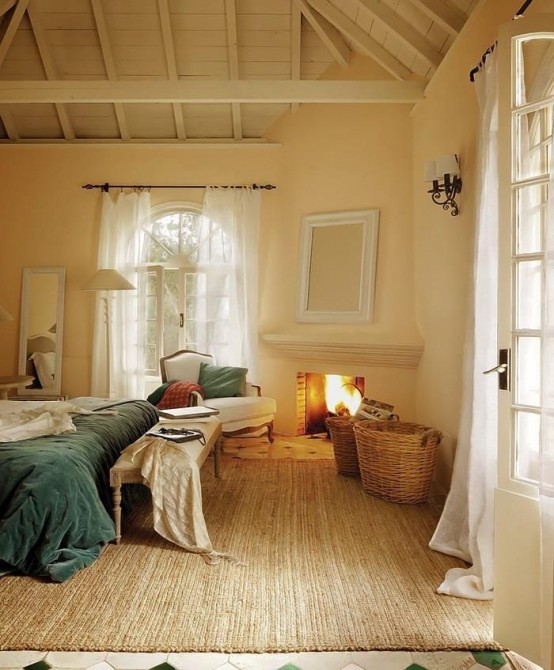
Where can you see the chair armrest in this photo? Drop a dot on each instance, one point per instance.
(195, 399)
(253, 390)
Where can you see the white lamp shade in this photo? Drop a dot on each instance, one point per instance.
(431, 171)
(108, 280)
(448, 165)
(5, 315)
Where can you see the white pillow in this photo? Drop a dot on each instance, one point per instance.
(45, 365)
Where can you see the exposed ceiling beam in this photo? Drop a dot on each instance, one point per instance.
(363, 41)
(109, 62)
(49, 68)
(6, 5)
(11, 28)
(171, 62)
(403, 31)
(450, 18)
(9, 123)
(295, 45)
(327, 33)
(233, 55)
(211, 91)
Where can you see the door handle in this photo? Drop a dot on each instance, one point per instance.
(503, 369)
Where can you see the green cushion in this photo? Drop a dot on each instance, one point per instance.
(222, 382)
(155, 397)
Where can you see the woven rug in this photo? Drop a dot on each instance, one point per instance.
(328, 567)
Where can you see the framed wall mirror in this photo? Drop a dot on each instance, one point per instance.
(338, 258)
(41, 330)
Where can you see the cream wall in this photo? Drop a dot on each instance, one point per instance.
(49, 220)
(446, 122)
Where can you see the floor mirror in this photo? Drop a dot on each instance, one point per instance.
(41, 330)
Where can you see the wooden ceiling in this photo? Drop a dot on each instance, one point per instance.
(204, 70)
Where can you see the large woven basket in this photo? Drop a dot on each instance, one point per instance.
(396, 459)
(344, 445)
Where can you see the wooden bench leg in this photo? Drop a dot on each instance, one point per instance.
(117, 512)
(217, 454)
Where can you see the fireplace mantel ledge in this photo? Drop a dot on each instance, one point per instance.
(380, 355)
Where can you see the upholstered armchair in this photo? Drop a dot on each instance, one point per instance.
(249, 413)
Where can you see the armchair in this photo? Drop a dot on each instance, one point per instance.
(249, 414)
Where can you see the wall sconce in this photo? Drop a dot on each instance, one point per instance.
(445, 175)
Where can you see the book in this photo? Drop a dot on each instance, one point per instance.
(188, 412)
(178, 434)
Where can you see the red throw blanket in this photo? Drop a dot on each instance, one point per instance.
(177, 394)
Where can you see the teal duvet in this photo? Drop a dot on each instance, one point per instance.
(55, 496)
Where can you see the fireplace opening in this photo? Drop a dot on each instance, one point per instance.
(320, 396)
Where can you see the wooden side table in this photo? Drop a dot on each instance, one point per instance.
(13, 382)
(126, 472)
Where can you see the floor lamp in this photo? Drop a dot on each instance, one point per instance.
(107, 281)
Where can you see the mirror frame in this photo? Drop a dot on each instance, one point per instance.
(28, 273)
(369, 218)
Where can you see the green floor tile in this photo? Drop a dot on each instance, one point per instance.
(415, 666)
(289, 666)
(163, 666)
(39, 665)
(490, 659)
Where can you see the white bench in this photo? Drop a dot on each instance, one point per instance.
(124, 471)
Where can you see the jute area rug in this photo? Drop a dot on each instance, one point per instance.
(327, 568)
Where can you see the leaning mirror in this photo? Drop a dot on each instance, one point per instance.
(40, 335)
(338, 255)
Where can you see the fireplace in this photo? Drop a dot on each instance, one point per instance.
(319, 396)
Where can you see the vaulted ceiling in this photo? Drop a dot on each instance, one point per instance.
(204, 70)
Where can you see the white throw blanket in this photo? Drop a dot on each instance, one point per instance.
(173, 477)
(35, 420)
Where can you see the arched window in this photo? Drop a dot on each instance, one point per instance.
(185, 275)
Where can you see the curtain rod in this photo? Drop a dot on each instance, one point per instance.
(142, 187)
(520, 12)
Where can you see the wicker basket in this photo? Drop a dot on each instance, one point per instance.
(396, 459)
(344, 445)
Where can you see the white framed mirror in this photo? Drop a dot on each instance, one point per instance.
(338, 258)
(41, 330)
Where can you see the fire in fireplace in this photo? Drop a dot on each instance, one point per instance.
(320, 396)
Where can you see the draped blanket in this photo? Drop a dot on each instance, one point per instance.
(173, 477)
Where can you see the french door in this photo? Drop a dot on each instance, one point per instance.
(523, 598)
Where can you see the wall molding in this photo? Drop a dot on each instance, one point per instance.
(376, 355)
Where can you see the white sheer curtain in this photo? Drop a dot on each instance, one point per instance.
(121, 223)
(466, 526)
(546, 446)
(237, 211)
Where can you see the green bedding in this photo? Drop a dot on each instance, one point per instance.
(54, 492)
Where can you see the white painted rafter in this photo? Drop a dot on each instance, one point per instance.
(109, 63)
(366, 44)
(450, 18)
(233, 55)
(211, 91)
(49, 68)
(169, 51)
(404, 31)
(328, 34)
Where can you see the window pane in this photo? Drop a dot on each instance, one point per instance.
(529, 294)
(534, 55)
(531, 217)
(151, 307)
(527, 445)
(533, 145)
(527, 388)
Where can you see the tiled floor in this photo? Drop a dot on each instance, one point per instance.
(357, 660)
(298, 448)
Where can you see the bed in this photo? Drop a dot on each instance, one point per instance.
(54, 490)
